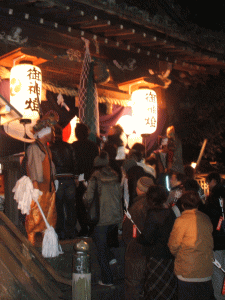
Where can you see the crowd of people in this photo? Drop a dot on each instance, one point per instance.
(173, 232)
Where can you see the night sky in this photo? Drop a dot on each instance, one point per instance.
(206, 14)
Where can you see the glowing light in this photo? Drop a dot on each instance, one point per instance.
(126, 122)
(144, 111)
(69, 131)
(193, 165)
(25, 90)
(134, 138)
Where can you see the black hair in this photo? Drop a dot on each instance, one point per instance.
(180, 176)
(136, 155)
(111, 149)
(139, 147)
(190, 200)
(156, 195)
(191, 185)
(81, 131)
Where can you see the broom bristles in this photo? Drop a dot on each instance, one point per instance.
(50, 244)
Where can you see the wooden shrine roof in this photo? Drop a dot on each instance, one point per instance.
(134, 43)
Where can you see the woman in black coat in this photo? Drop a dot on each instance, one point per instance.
(160, 281)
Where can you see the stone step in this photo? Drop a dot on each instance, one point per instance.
(115, 292)
(63, 264)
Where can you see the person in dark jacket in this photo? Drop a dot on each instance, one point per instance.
(110, 213)
(160, 281)
(215, 207)
(134, 171)
(63, 157)
(135, 261)
(85, 152)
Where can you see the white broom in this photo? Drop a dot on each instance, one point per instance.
(24, 194)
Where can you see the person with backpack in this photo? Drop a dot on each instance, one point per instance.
(110, 212)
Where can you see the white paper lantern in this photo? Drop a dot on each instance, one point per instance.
(144, 111)
(25, 90)
(25, 96)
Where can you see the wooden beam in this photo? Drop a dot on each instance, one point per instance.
(123, 33)
(183, 66)
(137, 37)
(112, 28)
(157, 43)
(81, 20)
(101, 25)
(112, 92)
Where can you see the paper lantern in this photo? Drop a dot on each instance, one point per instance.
(144, 110)
(25, 90)
(25, 96)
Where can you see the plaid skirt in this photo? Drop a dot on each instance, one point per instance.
(160, 281)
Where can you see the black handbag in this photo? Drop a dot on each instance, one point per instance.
(93, 209)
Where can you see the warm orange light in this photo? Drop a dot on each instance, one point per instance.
(71, 138)
(134, 138)
(144, 111)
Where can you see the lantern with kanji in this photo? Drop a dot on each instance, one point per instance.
(25, 90)
(25, 97)
(144, 110)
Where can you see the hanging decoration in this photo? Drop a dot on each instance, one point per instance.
(144, 110)
(14, 37)
(60, 101)
(74, 55)
(88, 98)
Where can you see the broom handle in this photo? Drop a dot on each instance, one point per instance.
(43, 215)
